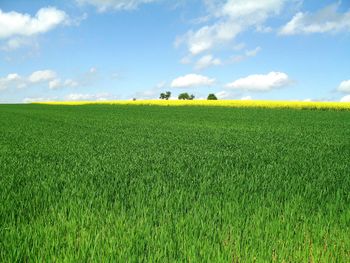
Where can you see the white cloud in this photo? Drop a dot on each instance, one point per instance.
(17, 42)
(58, 83)
(10, 80)
(221, 95)
(152, 93)
(259, 82)
(207, 61)
(192, 80)
(323, 21)
(253, 52)
(345, 98)
(54, 84)
(263, 29)
(77, 20)
(186, 60)
(239, 46)
(70, 83)
(238, 58)
(88, 78)
(246, 98)
(93, 70)
(42, 76)
(106, 5)
(344, 86)
(13, 76)
(18, 24)
(89, 97)
(257, 10)
(20, 29)
(246, 55)
(74, 97)
(230, 95)
(147, 94)
(232, 18)
(209, 36)
(39, 99)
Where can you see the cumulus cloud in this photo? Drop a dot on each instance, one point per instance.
(58, 83)
(18, 24)
(18, 42)
(253, 52)
(152, 93)
(246, 98)
(10, 80)
(42, 76)
(73, 97)
(38, 99)
(207, 61)
(345, 98)
(93, 70)
(221, 95)
(192, 80)
(186, 60)
(323, 21)
(88, 78)
(260, 82)
(239, 46)
(207, 37)
(229, 95)
(54, 84)
(70, 83)
(89, 97)
(106, 5)
(13, 76)
(344, 86)
(246, 55)
(231, 18)
(263, 29)
(19, 29)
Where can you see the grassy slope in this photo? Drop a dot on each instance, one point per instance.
(173, 183)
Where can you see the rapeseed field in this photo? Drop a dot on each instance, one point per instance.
(219, 103)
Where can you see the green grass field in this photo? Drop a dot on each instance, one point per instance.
(164, 184)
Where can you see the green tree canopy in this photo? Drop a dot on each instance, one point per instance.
(212, 96)
(185, 96)
(165, 96)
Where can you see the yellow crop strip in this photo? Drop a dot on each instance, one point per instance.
(217, 103)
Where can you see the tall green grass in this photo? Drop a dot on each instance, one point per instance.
(165, 184)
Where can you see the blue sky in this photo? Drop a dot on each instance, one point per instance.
(123, 49)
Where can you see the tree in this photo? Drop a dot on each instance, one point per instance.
(183, 96)
(212, 96)
(165, 96)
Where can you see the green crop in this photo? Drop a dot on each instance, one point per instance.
(112, 183)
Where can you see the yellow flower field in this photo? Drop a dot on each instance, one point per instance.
(219, 103)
